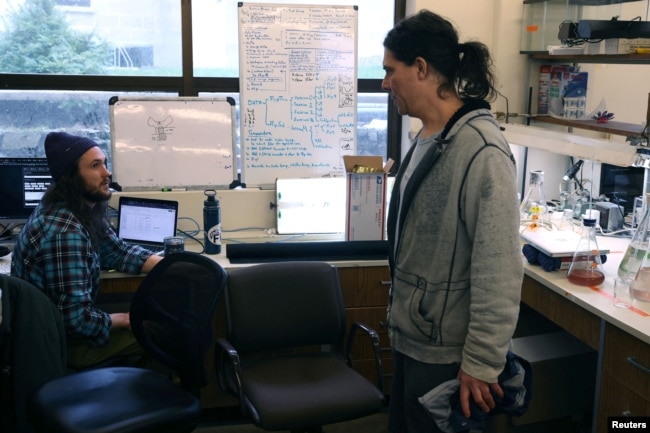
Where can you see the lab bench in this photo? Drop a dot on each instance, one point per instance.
(620, 336)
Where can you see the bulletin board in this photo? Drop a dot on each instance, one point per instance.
(182, 142)
(298, 86)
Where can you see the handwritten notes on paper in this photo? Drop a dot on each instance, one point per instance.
(297, 90)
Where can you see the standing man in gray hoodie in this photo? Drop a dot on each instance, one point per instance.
(454, 249)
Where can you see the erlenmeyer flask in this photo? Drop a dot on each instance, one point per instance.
(640, 288)
(534, 209)
(638, 247)
(586, 267)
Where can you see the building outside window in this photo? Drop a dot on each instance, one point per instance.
(62, 60)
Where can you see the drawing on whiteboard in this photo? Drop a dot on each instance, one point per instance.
(346, 93)
(161, 128)
(181, 142)
(249, 119)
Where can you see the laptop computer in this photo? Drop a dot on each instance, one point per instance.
(146, 221)
(310, 205)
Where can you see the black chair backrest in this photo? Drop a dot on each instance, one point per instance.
(32, 348)
(284, 304)
(172, 310)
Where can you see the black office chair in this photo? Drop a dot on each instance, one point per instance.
(171, 316)
(284, 353)
(32, 349)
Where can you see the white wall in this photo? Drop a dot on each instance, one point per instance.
(623, 89)
(496, 23)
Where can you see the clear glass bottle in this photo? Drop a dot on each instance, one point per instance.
(533, 208)
(586, 267)
(564, 195)
(638, 247)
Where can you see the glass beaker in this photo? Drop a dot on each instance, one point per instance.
(640, 288)
(567, 220)
(586, 267)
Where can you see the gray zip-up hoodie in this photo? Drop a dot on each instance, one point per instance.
(455, 258)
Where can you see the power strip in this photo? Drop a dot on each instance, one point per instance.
(608, 29)
(626, 46)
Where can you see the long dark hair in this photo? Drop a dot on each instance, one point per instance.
(68, 192)
(467, 67)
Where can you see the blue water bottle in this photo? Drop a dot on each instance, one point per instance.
(212, 222)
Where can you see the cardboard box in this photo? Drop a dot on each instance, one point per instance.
(567, 96)
(366, 197)
(544, 82)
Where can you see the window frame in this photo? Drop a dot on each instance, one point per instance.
(188, 84)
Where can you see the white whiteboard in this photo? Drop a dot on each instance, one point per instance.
(183, 142)
(298, 90)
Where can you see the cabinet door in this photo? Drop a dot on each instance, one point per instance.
(365, 293)
(568, 315)
(625, 387)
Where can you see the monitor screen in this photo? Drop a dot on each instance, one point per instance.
(310, 205)
(622, 184)
(24, 181)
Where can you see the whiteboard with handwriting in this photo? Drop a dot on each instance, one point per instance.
(298, 90)
(182, 142)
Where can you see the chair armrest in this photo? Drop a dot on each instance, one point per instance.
(374, 336)
(229, 353)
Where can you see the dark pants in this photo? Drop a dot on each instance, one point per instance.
(121, 345)
(413, 379)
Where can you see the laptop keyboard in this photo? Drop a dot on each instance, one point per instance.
(154, 248)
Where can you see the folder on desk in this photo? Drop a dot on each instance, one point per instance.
(554, 243)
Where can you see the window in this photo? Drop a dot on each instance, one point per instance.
(216, 55)
(84, 3)
(120, 47)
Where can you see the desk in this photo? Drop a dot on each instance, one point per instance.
(618, 334)
(588, 313)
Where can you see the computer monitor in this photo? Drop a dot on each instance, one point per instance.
(622, 184)
(24, 181)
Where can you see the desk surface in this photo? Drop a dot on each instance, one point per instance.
(599, 300)
(224, 262)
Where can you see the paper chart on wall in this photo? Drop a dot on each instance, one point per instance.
(298, 88)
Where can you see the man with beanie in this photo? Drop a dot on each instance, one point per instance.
(68, 240)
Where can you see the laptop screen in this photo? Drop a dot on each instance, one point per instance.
(146, 221)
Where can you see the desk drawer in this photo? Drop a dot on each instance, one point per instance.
(365, 286)
(627, 360)
(375, 317)
(618, 400)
